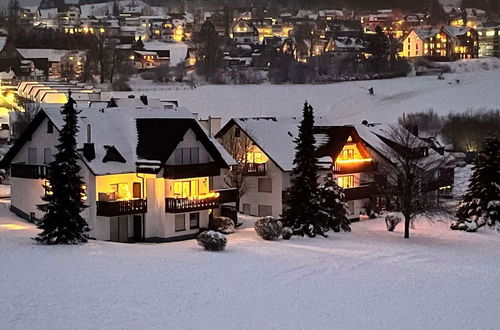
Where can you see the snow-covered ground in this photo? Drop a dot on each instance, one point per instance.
(347, 102)
(367, 279)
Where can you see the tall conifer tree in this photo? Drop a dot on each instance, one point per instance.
(483, 192)
(303, 214)
(62, 222)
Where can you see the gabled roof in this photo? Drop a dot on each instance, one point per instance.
(273, 135)
(124, 134)
(426, 34)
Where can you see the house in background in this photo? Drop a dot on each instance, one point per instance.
(355, 156)
(148, 172)
(269, 161)
(416, 43)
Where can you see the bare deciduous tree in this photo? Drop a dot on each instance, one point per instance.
(235, 177)
(413, 176)
(23, 118)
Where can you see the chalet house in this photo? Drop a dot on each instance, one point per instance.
(449, 42)
(245, 32)
(355, 156)
(31, 62)
(146, 60)
(270, 151)
(148, 172)
(454, 43)
(416, 42)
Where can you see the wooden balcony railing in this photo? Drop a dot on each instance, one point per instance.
(116, 208)
(180, 205)
(360, 192)
(28, 171)
(253, 169)
(191, 171)
(354, 167)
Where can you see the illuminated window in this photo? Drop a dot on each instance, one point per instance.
(190, 188)
(346, 181)
(119, 191)
(84, 192)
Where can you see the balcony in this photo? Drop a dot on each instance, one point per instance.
(28, 171)
(116, 208)
(346, 167)
(191, 171)
(360, 192)
(181, 205)
(253, 169)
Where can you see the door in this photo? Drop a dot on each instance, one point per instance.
(118, 229)
(137, 228)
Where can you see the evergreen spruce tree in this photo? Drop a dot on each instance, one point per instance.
(303, 212)
(483, 193)
(62, 222)
(333, 206)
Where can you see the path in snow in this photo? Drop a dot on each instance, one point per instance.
(367, 279)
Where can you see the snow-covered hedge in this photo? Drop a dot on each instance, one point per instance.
(393, 219)
(221, 224)
(212, 240)
(268, 228)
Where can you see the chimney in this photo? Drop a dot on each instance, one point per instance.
(89, 151)
(214, 125)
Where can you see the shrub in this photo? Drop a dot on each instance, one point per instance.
(392, 220)
(148, 75)
(221, 224)
(212, 240)
(287, 233)
(268, 228)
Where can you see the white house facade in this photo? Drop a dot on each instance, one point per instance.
(148, 172)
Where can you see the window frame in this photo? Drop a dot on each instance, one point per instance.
(177, 217)
(197, 218)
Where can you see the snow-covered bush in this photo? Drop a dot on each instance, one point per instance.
(221, 224)
(287, 233)
(212, 240)
(268, 228)
(393, 219)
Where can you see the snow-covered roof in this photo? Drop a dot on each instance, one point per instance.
(374, 134)
(275, 136)
(425, 34)
(455, 31)
(119, 127)
(53, 55)
(349, 43)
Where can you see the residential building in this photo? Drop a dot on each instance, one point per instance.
(416, 42)
(355, 156)
(489, 40)
(148, 172)
(244, 32)
(270, 151)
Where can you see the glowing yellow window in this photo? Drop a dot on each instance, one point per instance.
(346, 181)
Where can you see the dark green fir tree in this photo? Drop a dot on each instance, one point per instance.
(482, 196)
(333, 206)
(62, 222)
(303, 214)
